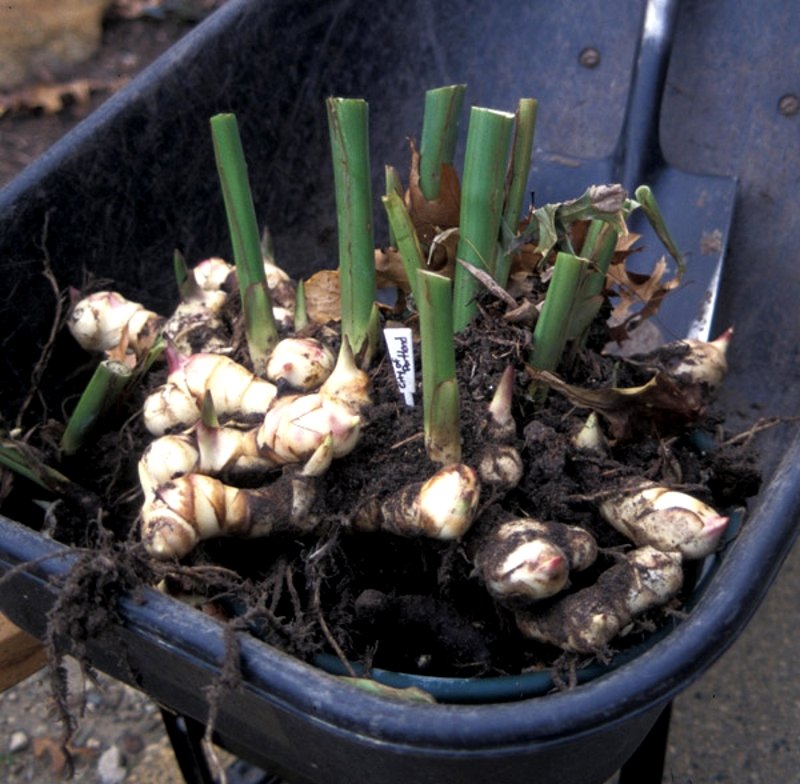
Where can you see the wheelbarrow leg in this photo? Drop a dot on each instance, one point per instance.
(186, 737)
(646, 766)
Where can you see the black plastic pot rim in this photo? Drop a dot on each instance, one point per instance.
(650, 680)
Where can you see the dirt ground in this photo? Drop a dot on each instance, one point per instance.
(121, 736)
(135, 33)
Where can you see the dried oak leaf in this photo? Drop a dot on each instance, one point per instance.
(661, 406)
(60, 754)
(323, 300)
(430, 218)
(640, 296)
(389, 269)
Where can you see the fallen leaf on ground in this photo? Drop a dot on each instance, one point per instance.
(59, 754)
(52, 98)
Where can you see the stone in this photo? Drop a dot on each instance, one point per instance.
(111, 766)
(18, 741)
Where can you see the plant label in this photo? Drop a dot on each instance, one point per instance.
(401, 353)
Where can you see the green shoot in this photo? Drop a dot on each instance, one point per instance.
(517, 181)
(267, 246)
(184, 277)
(24, 461)
(405, 238)
(440, 404)
(103, 390)
(488, 144)
(439, 135)
(393, 185)
(647, 201)
(552, 327)
(260, 328)
(349, 136)
(300, 310)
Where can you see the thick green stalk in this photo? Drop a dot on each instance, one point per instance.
(488, 143)
(552, 327)
(103, 390)
(439, 135)
(260, 328)
(517, 181)
(440, 404)
(405, 238)
(348, 124)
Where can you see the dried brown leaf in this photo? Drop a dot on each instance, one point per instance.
(640, 296)
(59, 754)
(660, 406)
(323, 301)
(432, 217)
(52, 98)
(389, 269)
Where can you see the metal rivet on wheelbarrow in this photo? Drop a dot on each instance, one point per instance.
(789, 105)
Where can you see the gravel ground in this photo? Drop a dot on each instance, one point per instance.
(120, 737)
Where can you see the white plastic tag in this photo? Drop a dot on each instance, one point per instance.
(401, 353)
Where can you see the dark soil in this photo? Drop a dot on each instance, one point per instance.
(413, 605)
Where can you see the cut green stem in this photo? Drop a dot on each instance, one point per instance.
(103, 390)
(260, 327)
(552, 327)
(517, 179)
(439, 135)
(488, 143)
(405, 238)
(440, 403)
(348, 125)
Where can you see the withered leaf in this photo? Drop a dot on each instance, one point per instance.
(323, 301)
(661, 406)
(389, 269)
(432, 217)
(640, 296)
(52, 98)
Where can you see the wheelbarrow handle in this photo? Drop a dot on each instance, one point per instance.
(638, 151)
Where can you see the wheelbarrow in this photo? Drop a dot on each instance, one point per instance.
(128, 185)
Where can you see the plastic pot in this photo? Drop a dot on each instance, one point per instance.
(136, 179)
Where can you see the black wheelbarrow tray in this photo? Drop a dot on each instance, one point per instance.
(136, 180)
